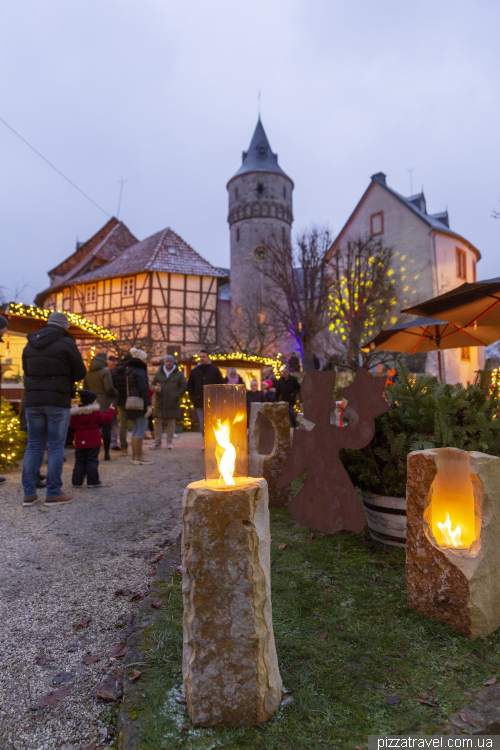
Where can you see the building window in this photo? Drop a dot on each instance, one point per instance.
(236, 193)
(474, 271)
(128, 287)
(237, 234)
(283, 235)
(90, 293)
(461, 264)
(465, 353)
(377, 224)
(284, 192)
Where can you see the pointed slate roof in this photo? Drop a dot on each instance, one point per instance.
(259, 157)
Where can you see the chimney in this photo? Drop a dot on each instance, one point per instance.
(379, 177)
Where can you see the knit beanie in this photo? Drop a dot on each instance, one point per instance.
(87, 397)
(267, 383)
(170, 358)
(102, 355)
(138, 353)
(59, 319)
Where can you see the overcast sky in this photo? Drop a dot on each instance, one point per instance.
(164, 95)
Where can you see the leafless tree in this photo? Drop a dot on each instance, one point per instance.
(363, 292)
(252, 330)
(298, 280)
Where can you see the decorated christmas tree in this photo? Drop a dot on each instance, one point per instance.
(12, 439)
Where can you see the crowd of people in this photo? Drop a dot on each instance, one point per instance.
(115, 394)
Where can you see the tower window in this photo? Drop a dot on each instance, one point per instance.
(465, 353)
(283, 237)
(461, 259)
(284, 192)
(236, 193)
(237, 234)
(260, 189)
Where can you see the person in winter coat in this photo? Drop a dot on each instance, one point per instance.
(205, 373)
(137, 385)
(254, 396)
(268, 391)
(288, 389)
(52, 365)
(170, 386)
(232, 377)
(119, 377)
(98, 379)
(85, 420)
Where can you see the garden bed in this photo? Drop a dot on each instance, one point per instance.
(355, 659)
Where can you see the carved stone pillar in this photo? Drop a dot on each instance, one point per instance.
(269, 447)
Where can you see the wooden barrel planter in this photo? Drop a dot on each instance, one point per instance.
(386, 518)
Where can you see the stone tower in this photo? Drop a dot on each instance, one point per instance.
(260, 213)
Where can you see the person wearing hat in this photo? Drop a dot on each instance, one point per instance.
(268, 391)
(170, 386)
(52, 365)
(4, 324)
(138, 405)
(98, 379)
(86, 420)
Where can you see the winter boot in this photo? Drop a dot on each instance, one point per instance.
(139, 457)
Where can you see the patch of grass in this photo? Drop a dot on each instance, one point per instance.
(375, 647)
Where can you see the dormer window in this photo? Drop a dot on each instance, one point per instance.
(90, 293)
(172, 250)
(128, 287)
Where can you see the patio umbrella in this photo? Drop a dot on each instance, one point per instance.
(430, 335)
(467, 306)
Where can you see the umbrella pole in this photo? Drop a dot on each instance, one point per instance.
(440, 366)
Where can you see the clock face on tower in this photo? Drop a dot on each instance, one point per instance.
(260, 252)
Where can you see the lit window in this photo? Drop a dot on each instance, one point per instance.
(128, 287)
(461, 258)
(465, 353)
(90, 293)
(377, 224)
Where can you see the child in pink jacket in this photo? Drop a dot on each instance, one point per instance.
(85, 421)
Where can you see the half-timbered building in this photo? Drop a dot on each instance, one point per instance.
(158, 294)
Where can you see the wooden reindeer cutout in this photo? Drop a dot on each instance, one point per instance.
(328, 501)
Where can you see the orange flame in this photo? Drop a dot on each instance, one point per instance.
(227, 460)
(450, 538)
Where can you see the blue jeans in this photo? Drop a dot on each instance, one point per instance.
(47, 427)
(139, 425)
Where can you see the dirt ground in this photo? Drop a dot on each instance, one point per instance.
(61, 566)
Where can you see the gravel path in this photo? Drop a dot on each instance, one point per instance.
(61, 566)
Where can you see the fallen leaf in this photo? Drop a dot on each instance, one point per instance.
(467, 720)
(391, 669)
(478, 655)
(491, 681)
(53, 697)
(393, 700)
(424, 696)
(112, 685)
(180, 699)
(156, 603)
(277, 570)
(106, 695)
(158, 558)
(339, 627)
(119, 651)
(136, 597)
(310, 537)
(84, 623)
(91, 659)
(430, 687)
(323, 636)
(424, 702)
(287, 692)
(282, 546)
(358, 747)
(134, 676)
(124, 592)
(42, 659)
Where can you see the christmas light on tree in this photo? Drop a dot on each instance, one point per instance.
(12, 439)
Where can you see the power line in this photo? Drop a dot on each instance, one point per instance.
(53, 166)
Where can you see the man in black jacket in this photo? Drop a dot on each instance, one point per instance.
(52, 365)
(205, 373)
(287, 389)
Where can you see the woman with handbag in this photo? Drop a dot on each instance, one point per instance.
(138, 404)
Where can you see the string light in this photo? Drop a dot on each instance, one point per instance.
(254, 359)
(42, 313)
(12, 440)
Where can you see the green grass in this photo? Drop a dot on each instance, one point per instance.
(339, 684)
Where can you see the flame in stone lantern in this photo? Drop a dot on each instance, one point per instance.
(450, 538)
(228, 459)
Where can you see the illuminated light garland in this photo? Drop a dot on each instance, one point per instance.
(255, 359)
(42, 313)
(12, 440)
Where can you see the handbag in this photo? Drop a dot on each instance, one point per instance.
(134, 403)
